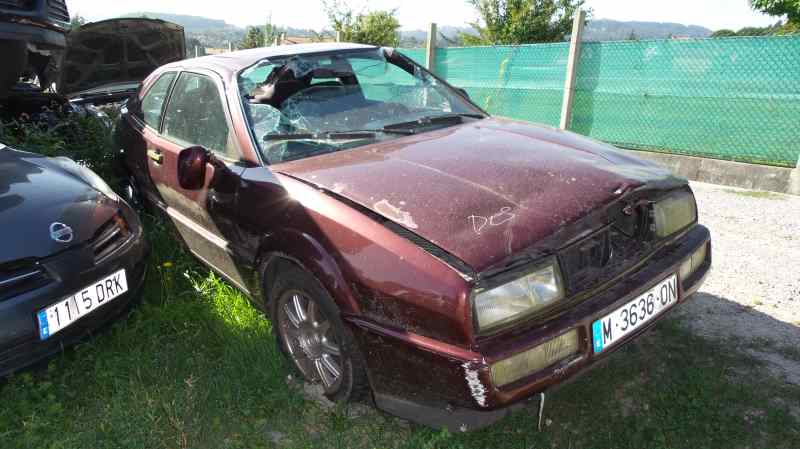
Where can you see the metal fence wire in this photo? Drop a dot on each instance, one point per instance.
(731, 98)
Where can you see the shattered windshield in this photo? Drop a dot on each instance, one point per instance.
(304, 105)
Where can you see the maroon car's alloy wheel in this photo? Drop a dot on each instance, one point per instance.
(309, 339)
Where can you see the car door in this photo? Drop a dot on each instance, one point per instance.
(141, 120)
(196, 115)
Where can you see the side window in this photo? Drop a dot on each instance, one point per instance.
(195, 116)
(153, 101)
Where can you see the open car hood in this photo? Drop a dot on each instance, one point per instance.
(115, 53)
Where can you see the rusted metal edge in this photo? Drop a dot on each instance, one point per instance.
(419, 341)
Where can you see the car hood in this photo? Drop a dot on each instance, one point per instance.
(484, 190)
(35, 192)
(118, 51)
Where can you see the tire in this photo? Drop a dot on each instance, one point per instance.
(310, 333)
(131, 193)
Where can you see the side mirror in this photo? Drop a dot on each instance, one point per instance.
(192, 167)
(463, 92)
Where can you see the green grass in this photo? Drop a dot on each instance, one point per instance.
(195, 366)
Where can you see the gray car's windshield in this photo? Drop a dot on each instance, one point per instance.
(304, 105)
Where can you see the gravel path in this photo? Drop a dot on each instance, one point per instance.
(751, 299)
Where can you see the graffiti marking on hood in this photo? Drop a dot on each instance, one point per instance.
(480, 222)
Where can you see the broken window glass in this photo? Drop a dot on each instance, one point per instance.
(295, 104)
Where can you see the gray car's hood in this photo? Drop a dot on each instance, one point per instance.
(35, 192)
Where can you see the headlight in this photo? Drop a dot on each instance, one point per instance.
(515, 368)
(519, 298)
(674, 213)
(693, 263)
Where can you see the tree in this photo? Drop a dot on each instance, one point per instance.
(271, 33)
(373, 27)
(761, 31)
(76, 22)
(754, 31)
(723, 33)
(256, 37)
(633, 36)
(788, 8)
(791, 28)
(253, 38)
(377, 28)
(341, 17)
(193, 43)
(522, 21)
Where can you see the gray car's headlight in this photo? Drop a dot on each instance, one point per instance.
(674, 213)
(519, 298)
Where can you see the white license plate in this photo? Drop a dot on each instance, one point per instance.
(615, 326)
(72, 308)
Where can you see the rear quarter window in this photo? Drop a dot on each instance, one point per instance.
(153, 101)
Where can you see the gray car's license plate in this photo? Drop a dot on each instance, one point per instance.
(72, 308)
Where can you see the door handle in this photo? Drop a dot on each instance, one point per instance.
(156, 156)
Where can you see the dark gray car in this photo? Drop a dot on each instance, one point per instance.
(72, 255)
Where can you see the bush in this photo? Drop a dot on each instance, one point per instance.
(83, 138)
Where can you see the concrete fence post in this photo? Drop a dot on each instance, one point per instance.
(338, 36)
(572, 68)
(794, 179)
(430, 49)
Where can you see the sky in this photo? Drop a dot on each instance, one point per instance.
(416, 14)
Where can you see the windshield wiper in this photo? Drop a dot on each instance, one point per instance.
(337, 135)
(443, 119)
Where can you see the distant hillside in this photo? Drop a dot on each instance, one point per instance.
(190, 23)
(211, 32)
(217, 33)
(596, 30)
(417, 38)
(613, 30)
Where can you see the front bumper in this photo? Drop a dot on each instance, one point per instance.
(70, 271)
(447, 386)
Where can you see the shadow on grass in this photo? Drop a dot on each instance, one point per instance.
(196, 366)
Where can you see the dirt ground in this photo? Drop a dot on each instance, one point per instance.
(751, 300)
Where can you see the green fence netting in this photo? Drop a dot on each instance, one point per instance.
(734, 98)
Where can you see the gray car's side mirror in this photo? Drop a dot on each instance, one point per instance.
(192, 167)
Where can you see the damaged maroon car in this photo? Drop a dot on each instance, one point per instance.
(407, 246)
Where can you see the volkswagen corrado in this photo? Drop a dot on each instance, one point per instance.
(407, 246)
